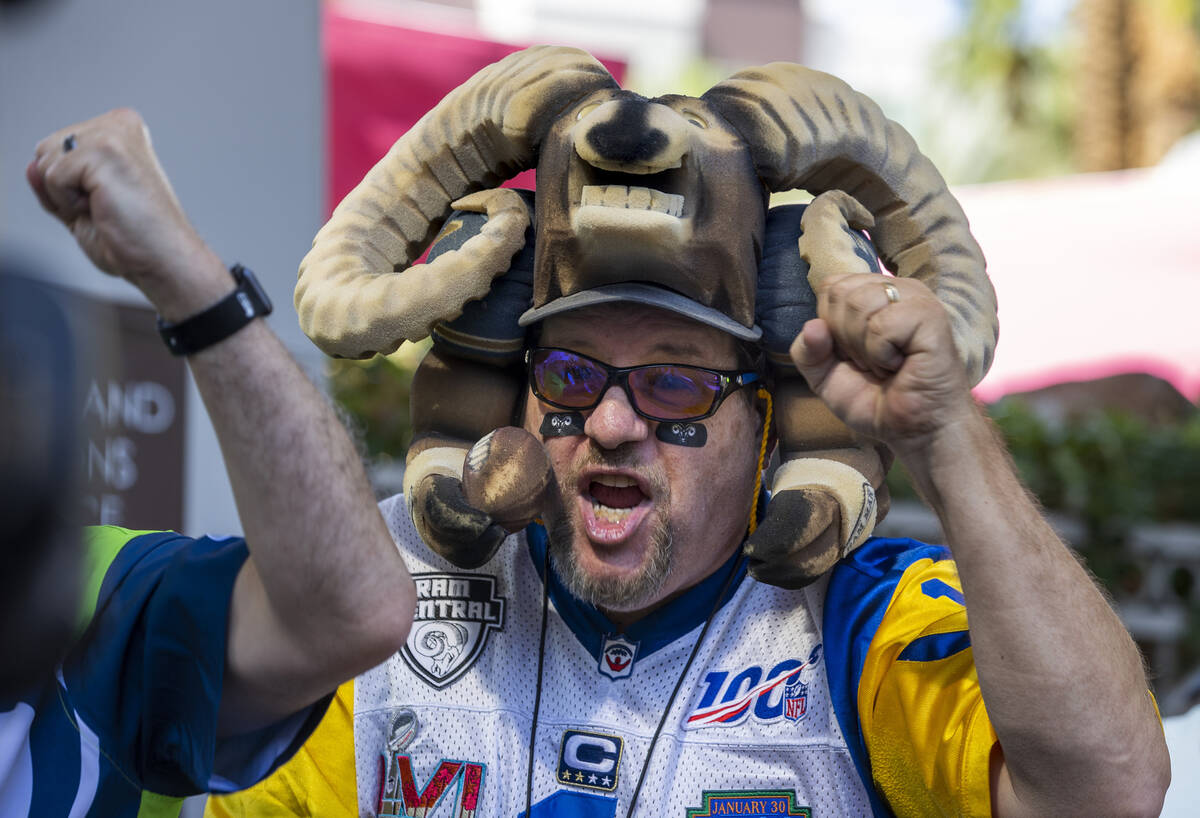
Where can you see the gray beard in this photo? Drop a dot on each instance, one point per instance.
(611, 593)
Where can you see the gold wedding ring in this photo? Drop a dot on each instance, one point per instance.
(893, 295)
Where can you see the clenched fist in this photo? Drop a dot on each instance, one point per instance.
(103, 181)
(882, 356)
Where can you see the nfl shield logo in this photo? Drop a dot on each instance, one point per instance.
(616, 656)
(795, 700)
(455, 614)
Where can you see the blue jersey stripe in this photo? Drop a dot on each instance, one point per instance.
(54, 747)
(89, 769)
(571, 804)
(936, 646)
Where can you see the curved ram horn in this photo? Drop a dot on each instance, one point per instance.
(350, 299)
(812, 131)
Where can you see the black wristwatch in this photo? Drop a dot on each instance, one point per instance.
(221, 320)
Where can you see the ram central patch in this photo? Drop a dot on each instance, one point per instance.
(748, 802)
(455, 613)
(591, 760)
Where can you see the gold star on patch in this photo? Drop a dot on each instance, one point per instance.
(579, 777)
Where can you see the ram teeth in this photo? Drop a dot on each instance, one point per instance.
(616, 196)
(668, 203)
(632, 198)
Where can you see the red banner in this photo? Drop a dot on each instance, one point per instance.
(382, 78)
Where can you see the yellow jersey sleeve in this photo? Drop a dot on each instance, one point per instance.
(922, 714)
(318, 780)
(903, 680)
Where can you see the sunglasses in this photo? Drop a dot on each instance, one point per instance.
(662, 392)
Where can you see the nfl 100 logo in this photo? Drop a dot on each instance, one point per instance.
(795, 690)
(729, 697)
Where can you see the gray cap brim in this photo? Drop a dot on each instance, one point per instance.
(643, 294)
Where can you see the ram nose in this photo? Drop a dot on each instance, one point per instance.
(632, 136)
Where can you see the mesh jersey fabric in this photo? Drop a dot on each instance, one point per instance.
(856, 695)
(128, 726)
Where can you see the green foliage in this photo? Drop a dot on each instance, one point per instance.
(1109, 470)
(993, 49)
(1006, 70)
(374, 394)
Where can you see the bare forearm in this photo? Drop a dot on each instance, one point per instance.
(328, 595)
(1061, 678)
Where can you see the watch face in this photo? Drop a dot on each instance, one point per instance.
(249, 285)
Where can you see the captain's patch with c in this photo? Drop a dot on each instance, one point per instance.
(591, 760)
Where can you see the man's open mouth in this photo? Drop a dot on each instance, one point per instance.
(613, 507)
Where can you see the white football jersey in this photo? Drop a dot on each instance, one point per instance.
(443, 727)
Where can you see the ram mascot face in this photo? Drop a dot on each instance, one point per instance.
(660, 191)
(669, 192)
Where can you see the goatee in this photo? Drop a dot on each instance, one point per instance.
(627, 593)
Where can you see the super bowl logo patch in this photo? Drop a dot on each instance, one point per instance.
(459, 782)
(782, 692)
(748, 802)
(591, 760)
(455, 614)
(616, 656)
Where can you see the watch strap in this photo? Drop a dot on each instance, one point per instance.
(247, 302)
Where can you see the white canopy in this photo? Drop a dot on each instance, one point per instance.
(1096, 274)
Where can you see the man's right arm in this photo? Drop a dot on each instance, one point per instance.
(1045, 642)
(325, 594)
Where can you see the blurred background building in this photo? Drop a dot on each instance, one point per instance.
(1067, 127)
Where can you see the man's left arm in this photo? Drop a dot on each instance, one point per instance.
(325, 594)
(1061, 678)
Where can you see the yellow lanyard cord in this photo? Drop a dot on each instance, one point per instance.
(762, 455)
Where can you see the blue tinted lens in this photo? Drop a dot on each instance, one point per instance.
(674, 392)
(567, 379)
